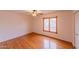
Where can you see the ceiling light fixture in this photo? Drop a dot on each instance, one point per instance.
(34, 13)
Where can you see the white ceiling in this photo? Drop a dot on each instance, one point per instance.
(39, 11)
(46, 11)
(42, 11)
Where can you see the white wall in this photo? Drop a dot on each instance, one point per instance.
(65, 25)
(77, 30)
(13, 24)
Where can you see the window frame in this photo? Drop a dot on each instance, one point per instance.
(49, 24)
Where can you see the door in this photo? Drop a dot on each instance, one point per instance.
(77, 30)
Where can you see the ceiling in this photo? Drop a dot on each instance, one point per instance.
(46, 11)
(42, 11)
(38, 11)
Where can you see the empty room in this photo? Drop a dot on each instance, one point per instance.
(39, 29)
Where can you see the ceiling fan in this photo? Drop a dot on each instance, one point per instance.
(35, 12)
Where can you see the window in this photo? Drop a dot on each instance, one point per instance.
(50, 24)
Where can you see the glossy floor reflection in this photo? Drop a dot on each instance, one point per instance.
(48, 44)
(35, 41)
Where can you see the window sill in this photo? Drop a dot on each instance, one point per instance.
(50, 32)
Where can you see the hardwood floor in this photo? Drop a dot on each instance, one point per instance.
(35, 41)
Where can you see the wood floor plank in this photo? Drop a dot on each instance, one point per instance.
(35, 41)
